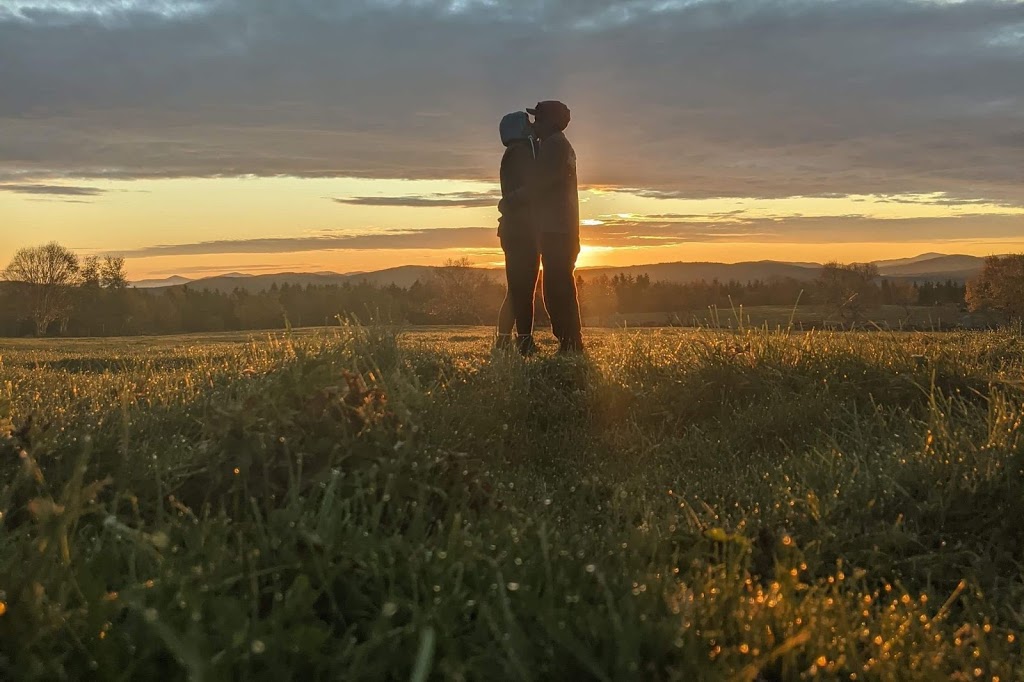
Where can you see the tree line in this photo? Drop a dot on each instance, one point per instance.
(847, 292)
(52, 291)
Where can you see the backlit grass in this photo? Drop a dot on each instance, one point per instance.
(362, 503)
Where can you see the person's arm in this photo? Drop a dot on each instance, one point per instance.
(515, 178)
(547, 172)
(505, 178)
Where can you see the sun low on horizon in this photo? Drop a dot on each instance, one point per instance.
(213, 137)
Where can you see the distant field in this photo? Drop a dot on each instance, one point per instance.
(372, 503)
(888, 317)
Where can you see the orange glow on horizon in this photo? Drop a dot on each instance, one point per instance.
(188, 226)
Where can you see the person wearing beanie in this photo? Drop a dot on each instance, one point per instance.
(518, 234)
(555, 202)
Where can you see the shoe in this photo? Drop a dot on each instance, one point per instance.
(503, 342)
(526, 345)
(573, 344)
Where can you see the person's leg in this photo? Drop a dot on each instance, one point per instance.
(522, 284)
(554, 275)
(506, 314)
(559, 253)
(506, 320)
(523, 265)
(528, 295)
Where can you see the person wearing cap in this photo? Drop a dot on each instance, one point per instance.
(518, 234)
(553, 195)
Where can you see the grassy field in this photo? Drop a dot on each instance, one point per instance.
(363, 503)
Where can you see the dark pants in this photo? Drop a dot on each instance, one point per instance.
(522, 267)
(558, 254)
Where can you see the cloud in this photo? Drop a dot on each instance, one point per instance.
(637, 231)
(55, 9)
(58, 190)
(427, 238)
(942, 199)
(724, 98)
(700, 217)
(443, 200)
(649, 231)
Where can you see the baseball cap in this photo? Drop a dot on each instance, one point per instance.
(552, 110)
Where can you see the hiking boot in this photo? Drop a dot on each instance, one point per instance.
(526, 345)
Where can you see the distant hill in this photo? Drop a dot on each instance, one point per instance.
(403, 276)
(692, 272)
(895, 262)
(233, 280)
(171, 281)
(936, 267)
(254, 283)
(926, 267)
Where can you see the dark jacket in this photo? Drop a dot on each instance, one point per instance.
(551, 189)
(517, 165)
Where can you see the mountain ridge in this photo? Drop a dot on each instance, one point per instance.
(925, 267)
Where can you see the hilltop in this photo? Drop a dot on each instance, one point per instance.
(926, 267)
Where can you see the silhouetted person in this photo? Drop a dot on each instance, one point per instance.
(555, 202)
(517, 232)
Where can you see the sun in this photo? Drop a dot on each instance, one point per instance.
(593, 255)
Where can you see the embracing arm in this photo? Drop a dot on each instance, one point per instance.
(544, 173)
(513, 199)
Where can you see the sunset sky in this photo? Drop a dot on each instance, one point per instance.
(198, 137)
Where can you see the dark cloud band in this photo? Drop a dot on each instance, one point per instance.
(51, 190)
(444, 200)
(759, 98)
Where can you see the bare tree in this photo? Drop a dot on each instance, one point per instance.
(49, 272)
(458, 289)
(112, 274)
(89, 272)
(848, 289)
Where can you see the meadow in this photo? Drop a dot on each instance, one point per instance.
(367, 502)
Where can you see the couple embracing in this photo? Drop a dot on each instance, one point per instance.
(539, 224)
